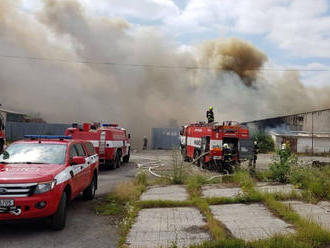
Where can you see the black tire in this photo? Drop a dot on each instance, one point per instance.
(196, 155)
(89, 192)
(2, 144)
(126, 158)
(184, 154)
(118, 159)
(57, 221)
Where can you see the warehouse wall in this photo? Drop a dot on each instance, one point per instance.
(321, 145)
(165, 138)
(17, 130)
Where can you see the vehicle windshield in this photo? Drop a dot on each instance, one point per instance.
(32, 153)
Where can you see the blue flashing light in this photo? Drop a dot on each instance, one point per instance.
(61, 137)
(109, 125)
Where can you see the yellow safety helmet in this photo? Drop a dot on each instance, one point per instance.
(211, 108)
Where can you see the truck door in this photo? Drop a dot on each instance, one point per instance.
(245, 149)
(75, 172)
(85, 172)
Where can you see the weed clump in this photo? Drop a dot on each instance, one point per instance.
(280, 168)
(315, 181)
(178, 169)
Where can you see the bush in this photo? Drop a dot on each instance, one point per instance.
(316, 181)
(265, 142)
(281, 166)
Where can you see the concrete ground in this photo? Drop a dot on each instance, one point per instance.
(162, 227)
(319, 213)
(219, 190)
(84, 228)
(170, 192)
(276, 188)
(250, 221)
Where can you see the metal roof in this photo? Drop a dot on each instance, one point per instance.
(299, 134)
(281, 116)
(11, 111)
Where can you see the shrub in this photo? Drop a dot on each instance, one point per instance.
(280, 168)
(265, 142)
(316, 181)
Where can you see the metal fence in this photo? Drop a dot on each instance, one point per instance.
(165, 138)
(17, 130)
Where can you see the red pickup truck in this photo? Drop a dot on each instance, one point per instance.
(41, 174)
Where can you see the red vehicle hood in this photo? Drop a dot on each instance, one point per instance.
(28, 173)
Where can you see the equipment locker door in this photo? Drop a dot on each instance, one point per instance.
(102, 143)
(245, 148)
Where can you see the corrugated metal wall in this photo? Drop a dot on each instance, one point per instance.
(17, 130)
(165, 138)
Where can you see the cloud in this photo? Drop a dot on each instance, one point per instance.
(142, 9)
(298, 26)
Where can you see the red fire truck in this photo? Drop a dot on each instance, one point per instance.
(111, 142)
(214, 146)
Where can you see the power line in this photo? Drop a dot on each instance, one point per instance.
(40, 59)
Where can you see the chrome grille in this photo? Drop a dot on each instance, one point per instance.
(16, 190)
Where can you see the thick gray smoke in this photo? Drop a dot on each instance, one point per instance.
(138, 98)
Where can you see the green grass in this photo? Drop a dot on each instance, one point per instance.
(163, 204)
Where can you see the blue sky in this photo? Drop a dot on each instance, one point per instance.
(293, 33)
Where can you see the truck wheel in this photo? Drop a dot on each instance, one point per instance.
(126, 158)
(118, 159)
(2, 143)
(57, 221)
(89, 192)
(196, 155)
(184, 154)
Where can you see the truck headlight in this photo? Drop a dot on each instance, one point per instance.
(45, 187)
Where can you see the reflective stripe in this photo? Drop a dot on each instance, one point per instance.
(114, 143)
(95, 143)
(65, 175)
(109, 143)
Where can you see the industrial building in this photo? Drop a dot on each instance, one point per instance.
(7, 115)
(307, 132)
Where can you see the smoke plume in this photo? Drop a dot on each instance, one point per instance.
(68, 77)
(234, 55)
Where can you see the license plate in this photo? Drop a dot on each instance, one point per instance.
(7, 203)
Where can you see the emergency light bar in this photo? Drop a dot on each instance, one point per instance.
(109, 125)
(47, 137)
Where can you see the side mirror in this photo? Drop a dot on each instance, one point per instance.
(78, 160)
(129, 136)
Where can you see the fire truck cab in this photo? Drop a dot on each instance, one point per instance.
(214, 146)
(111, 142)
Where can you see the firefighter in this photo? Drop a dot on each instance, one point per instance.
(252, 163)
(227, 154)
(145, 143)
(210, 115)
